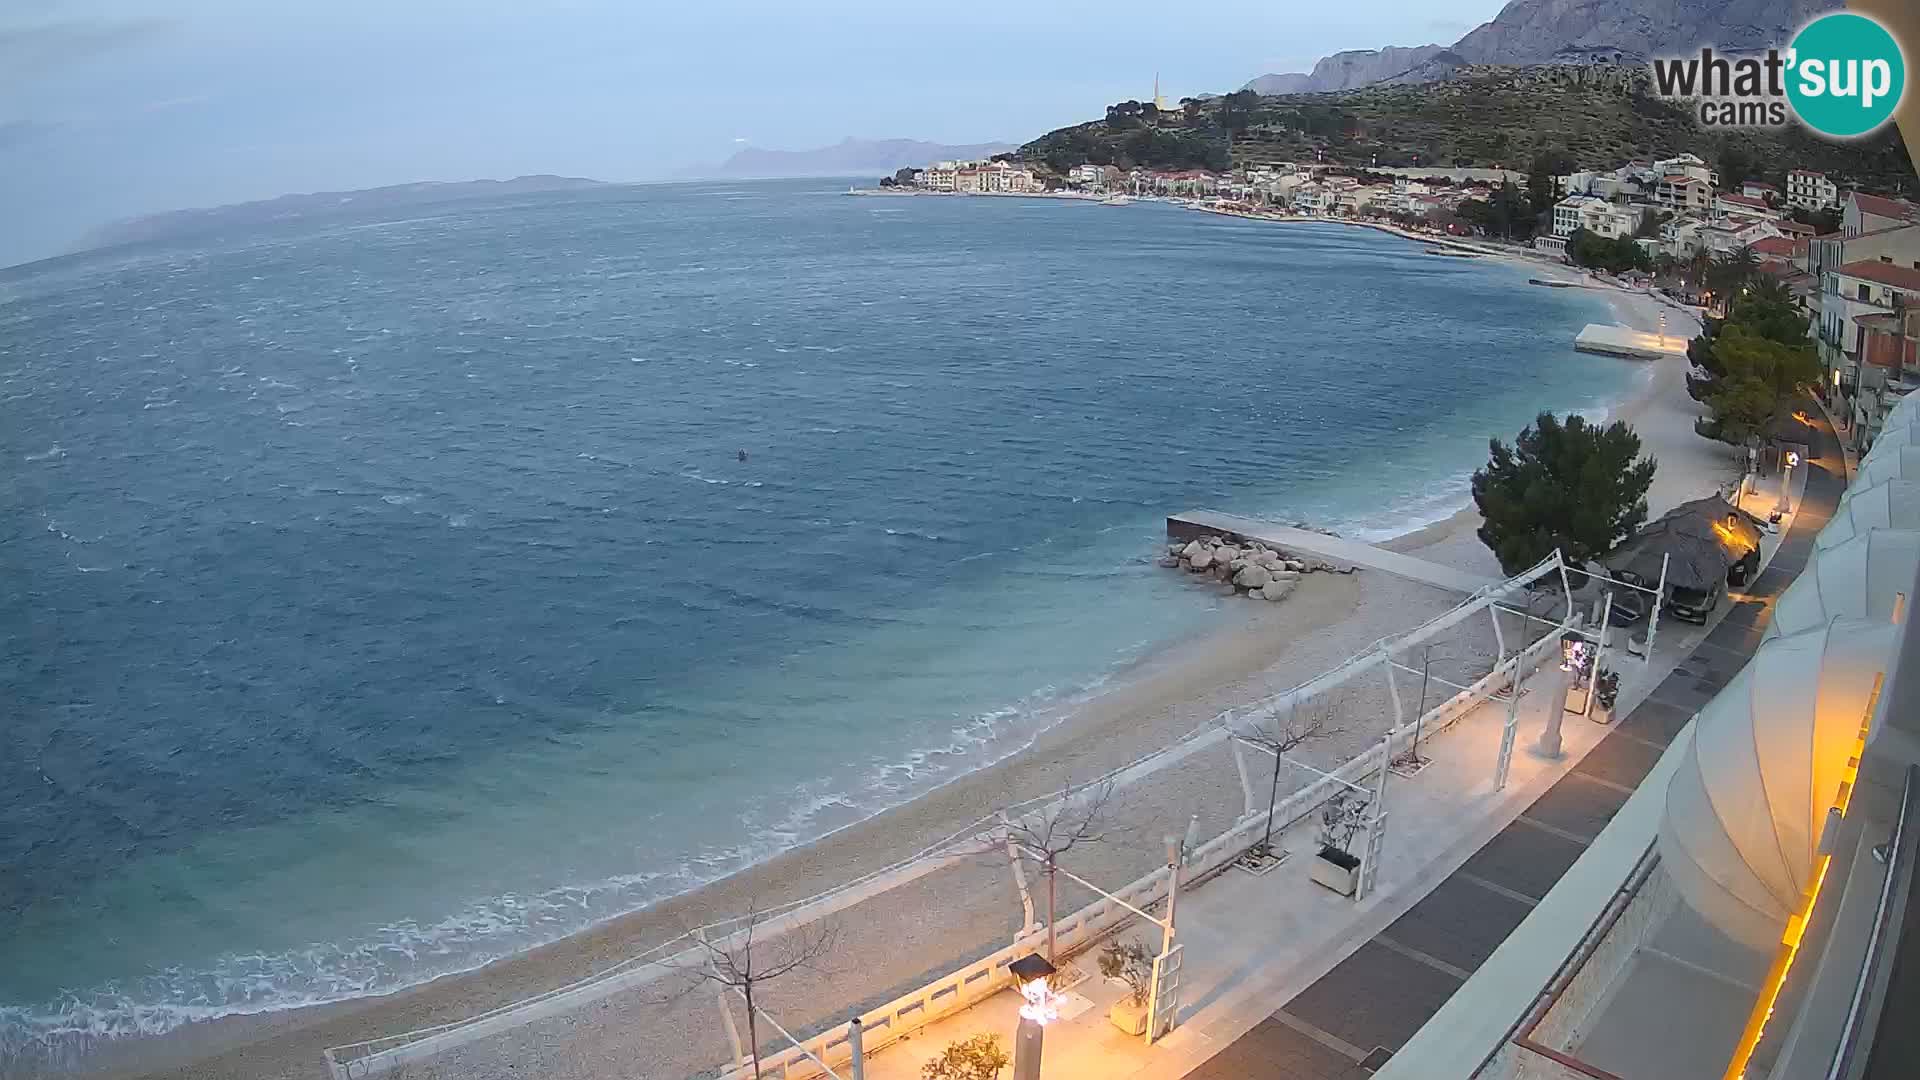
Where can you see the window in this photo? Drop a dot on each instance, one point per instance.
(1888, 259)
(1863, 292)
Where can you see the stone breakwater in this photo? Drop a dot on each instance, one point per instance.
(1248, 567)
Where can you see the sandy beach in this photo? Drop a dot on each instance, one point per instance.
(897, 940)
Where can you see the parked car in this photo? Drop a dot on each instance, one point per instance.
(1694, 605)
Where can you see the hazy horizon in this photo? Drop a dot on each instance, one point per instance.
(111, 109)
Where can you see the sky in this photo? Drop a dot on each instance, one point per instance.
(115, 108)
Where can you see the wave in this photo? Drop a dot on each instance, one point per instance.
(408, 953)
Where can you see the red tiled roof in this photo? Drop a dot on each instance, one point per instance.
(1789, 225)
(1899, 277)
(1887, 208)
(1746, 200)
(1758, 184)
(1775, 246)
(1804, 172)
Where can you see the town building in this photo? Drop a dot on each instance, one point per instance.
(1753, 206)
(1849, 292)
(1681, 193)
(939, 176)
(1862, 213)
(1597, 216)
(1756, 189)
(1811, 190)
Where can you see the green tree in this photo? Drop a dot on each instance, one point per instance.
(1735, 166)
(1572, 486)
(1728, 274)
(1542, 189)
(1757, 376)
(1823, 221)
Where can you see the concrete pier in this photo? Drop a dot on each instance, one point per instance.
(1337, 550)
(1628, 342)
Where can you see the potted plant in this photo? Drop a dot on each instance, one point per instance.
(1336, 867)
(1607, 691)
(1132, 964)
(978, 1058)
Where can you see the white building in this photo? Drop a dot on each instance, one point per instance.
(1596, 216)
(1687, 165)
(1811, 190)
(1088, 176)
(1007, 179)
(940, 176)
(1748, 205)
(1683, 193)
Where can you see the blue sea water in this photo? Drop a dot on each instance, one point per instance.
(383, 596)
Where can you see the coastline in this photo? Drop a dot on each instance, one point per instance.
(1253, 650)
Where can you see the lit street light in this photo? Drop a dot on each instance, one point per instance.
(1038, 1010)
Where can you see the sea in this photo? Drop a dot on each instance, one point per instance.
(390, 593)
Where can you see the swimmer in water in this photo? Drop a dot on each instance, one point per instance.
(743, 455)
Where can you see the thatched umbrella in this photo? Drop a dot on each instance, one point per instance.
(1700, 540)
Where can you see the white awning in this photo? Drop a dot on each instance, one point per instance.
(1893, 504)
(1857, 579)
(1898, 463)
(1896, 431)
(1748, 801)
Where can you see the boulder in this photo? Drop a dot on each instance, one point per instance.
(1223, 571)
(1283, 575)
(1177, 549)
(1266, 558)
(1200, 560)
(1277, 589)
(1296, 566)
(1193, 548)
(1169, 562)
(1252, 576)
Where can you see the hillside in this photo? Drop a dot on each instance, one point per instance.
(1479, 116)
(1557, 31)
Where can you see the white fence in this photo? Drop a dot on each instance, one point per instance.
(1082, 929)
(988, 975)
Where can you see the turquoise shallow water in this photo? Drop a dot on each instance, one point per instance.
(385, 596)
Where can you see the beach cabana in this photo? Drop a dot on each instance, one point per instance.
(1891, 504)
(1861, 578)
(1702, 541)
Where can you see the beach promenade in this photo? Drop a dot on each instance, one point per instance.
(1287, 981)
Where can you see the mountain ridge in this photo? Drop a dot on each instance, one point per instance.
(1529, 32)
(848, 157)
(303, 205)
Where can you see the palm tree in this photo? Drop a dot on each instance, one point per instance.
(1726, 275)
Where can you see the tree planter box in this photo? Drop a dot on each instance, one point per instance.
(1129, 1017)
(1337, 870)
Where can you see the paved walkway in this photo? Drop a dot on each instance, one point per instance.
(1352, 1019)
(1334, 549)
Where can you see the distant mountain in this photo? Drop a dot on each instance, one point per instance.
(1345, 70)
(848, 157)
(177, 223)
(1565, 31)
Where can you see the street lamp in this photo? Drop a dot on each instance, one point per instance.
(1036, 1012)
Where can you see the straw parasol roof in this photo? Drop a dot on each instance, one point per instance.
(1700, 540)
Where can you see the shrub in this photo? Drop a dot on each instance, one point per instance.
(977, 1058)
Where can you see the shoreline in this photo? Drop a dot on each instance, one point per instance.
(1157, 699)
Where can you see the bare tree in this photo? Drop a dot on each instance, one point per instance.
(1045, 833)
(743, 965)
(1281, 733)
